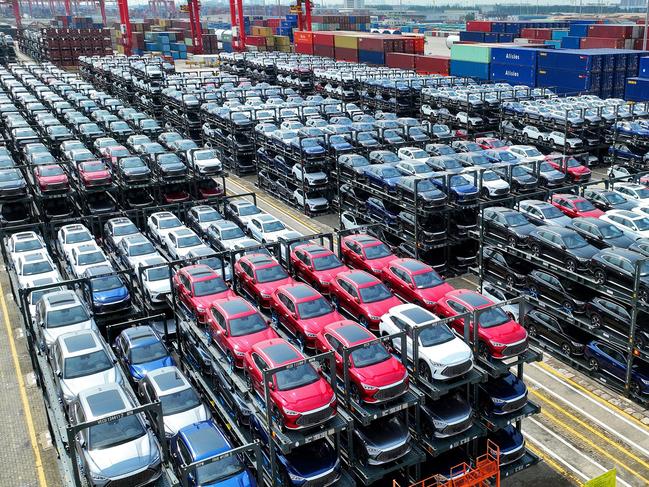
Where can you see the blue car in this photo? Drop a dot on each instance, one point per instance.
(141, 349)
(108, 293)
(310, 147)
(611, 362)
(503, 395)
(461, 189)
(339, 143)
(628, 153)
(315, 463)
(631, 129)
(202, 441)
(378, 209)
(511, 444)
(385, 176)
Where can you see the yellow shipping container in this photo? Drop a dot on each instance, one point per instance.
(346, 41)
(270, 41)
(258, 30)
(282, 40)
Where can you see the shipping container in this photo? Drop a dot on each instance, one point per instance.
(637, 89)
(491, 36)
(601, 42)
(373, 57)
(346, 54)
(470, 69)
(323, 39)
(569, 59)
(557, 34)
(504, 37)
(571, 42)
(613, 30)
(400, 60)
(346, 41)
(478, 26)
(472, 36)
(433, 65)
(517, 75)
(323, 50)
(514, 55)
(569, 81)
(474, 53)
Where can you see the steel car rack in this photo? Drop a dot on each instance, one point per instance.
(288, 244)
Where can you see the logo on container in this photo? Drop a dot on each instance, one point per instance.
(513, 74)
(515, 57)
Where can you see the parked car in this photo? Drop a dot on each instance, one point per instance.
(634, 225)
(316, 265)
(447, 417)
(507, 224)
(365, 252)
(384, 441)
(575, 206)
(570, 339)
(545, 286)
(259, 275)
(415, 282)
(561, 245)
(604, 312)
(503, 395)
(612, 364)
(618, 266)
(197, 286)
(600, 233)
(608, 200)
(141, 351)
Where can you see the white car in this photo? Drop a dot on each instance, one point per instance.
(415, 168)
(534, 133)
(559, 139)
(493, 186)
(35, 265)
(241, 211)
(349, 221)
(225, 235)
(633, 192)
(117, 228)
(203, 216)
(58, 313)
(155, 280)
(314, 175)
(180, 242)
(619, 171)
(84, 256)
(442, 354)
(70, 236)
(35, 296)
(266, 228)
(463, 118)
(248, 246)
(406, 153)
(134, 249)
(314, 202)
(204, 161)
(634, 225)
(21, 242)
(161, 223)
(427, 110)
(526, 153)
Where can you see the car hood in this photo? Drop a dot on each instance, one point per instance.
(96, 175)
(391, 433)
(382, 374)
(125, 458)
(16, 183)
(562, 221)
(74, 386)
(140, 370)
(454, 351)
(381, 307)
(54, 179)
(381, 263)
(112, 296)
(307, 398)
(507, 387)
(245, 342)
(579, 169)
(435, 293)
(308, 466)
(509, 332)
(51, 334)
(585, 252)
(450, 409)
(161, 286)
(269, 287)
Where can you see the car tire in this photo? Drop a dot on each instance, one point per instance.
(568, 306)
(596, 320)
(483, 351)
(536, 250)
(532, 331)
(511, 241)
(484, 192)
(510, 281)
(425, 372)
(600, 276)
(335, 302)
(635, 388)
(354, 394)
(640, 343)
(566, 349)
(594, 364)
(571, 265)
(363, 322)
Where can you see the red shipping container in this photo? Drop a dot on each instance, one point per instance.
(420, 44)
(304, 48)
(544, 34)
(376, 43)
(258, 41)
(478, 26)
(324, 51)
(433, 65)
(303, 37)
(610, 31)
(346, 54)
(323, 39)
(400, 60)
(601, 42)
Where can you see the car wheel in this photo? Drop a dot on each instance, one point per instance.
(596, 320)
(336, 302)
(483, 351)
(571, 265)
(565, 348)
(540, 139)
(278, 419)
(532, 331)
(511, 241)
(600, 276)
(594, 365)
(568, 306)
(640, 343)
(274, 317)
(534, 291)
(425, 371)
(635, 389)
(510, 281)
(536, 251)
(355, 394)
(363, 321)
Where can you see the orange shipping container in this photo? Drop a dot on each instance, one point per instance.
(303, 37)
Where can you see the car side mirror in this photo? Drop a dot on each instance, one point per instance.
(411, 285)
(59, 374)
(271, 386)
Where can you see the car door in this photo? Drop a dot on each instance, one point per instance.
(615, 363)
(337, 348)
(345, 298)
(247, 277)
(256, 230)
(353, 253)
(219, 328)
(255, 372)
(458, 309)
(286, 311)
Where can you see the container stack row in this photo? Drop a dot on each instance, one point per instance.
(637, 88)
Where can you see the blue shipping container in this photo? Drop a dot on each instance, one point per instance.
(573, 59)
(644, 67)
(553, 44)
(579, 30)
(570, 81)
(491, 36)
(514, 55)
(470, 69)
(571, 42)
(517, 75)
(557, 35)
(637, 89)
(513, 27)
(371, 57)
(498, 27)
(472, 36)
(504, 37)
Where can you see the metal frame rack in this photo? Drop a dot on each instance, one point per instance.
(626, 297)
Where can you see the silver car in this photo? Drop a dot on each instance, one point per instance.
(59, 313)
(118, 451)
(181, 405)
(81, 360)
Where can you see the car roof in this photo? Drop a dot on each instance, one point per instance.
(300, 291)
(631, 255)
(360, 278)
(412, 265)
(199, 272)
(234, 306)
(204, 440)
(79, 342)
(103, 401)
(167, 380)
(137, 332)
(278, 351)
(415, 314)
(350, 332)
(471, 298)
(259, 260)
(625, 213)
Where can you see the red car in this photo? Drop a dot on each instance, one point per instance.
(491, 143)
(415, 282)
(499, 335)
(316, 265)
(94, 173)
(51, 178)
(574, 206)
(365, 252)
(569, 166)
(303, 310)
(208, 189)
(260, 275)
(175, 195)
(362, 295)
(236, 326)
(375, 374)
(301, 397)
(197, 286)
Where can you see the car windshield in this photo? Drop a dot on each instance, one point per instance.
(445, 150)
(314, 308)
(52, 171)
(496, 144)
(9, 175)
(125, 229)
(188, 241)
(113, 433)
(574, 241)
(493, 317)
(358, 161)
(219, 470)
(457, 180)
(377, 251)
(143, 248)
(370, 355)
(209, 216)
(584, 205)
(418, 154)
(77, 237)
(147, 352)
(204, 155)
(169, 223)
(642, 224)
(551, 212)
(90, 258)
(610, 231)
(94, 166)
(426, 280)
(299, 376)
(490, 176)
(26, 245)
(106, 283)
(231, 233)
(615, 198)
(374, 293)
(132, 162)
(326, 262)
(248, 210)
(88, 364)
(210, 286)
(67, 316)
(274, 226)
(389, 158)
(532, 152)
(435, 335)
(271, 274)
(642, 193)
(389, 172)
(167, 159)
(516, 220)
(178, 402)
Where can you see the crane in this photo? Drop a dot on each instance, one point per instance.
(193, 8)
(238, 27)
(303, 18)
(125, 26)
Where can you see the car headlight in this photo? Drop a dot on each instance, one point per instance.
(323, 283)
(264, 295)
(376, 271)
(200, 308)
(310, 335)
(439, 424)
(290, 412)
(98, 476)
(497, 401)
(498, 344)
(368, 387)
(239, 353)
(373, 451)
(429, 302)
(295, 478)
(374, 318)
(644, 381)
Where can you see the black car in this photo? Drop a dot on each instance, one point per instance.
(169, 166)
(618, 266)
(508, 224)
(547, 287)
(386, 440)
(12, 184)
(283, 189)
(431, 230)
(505, 266)
(440, 150)
(608, 200)
(445, 164)
(518, 178)
(446, 417)
(568, 338)
(133, 170)
(427, 194)
(562, 245)
(100, 203)
(600, 233)
(604, 312)
(641, 246)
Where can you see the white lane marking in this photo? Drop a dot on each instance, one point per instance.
(644, 431)
(556, 456)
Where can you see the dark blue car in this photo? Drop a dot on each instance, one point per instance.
(629, 153)
(631, 129)
(503, 395)
(202, 441)
(378, 209)
(611, 362)
(108, 293)
(385, 176)
(511, 444)
(315, 463)
(310, 147)
(142, 351)
(461, 190)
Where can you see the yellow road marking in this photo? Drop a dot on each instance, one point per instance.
(583, 438)
(581, 388)
(553, 465)
(23, 393)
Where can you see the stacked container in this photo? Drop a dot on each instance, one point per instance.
(637, 88)
(515, 65)
(569, 71)
(471, 60)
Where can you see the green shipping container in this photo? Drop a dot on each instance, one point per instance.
(475, 53)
